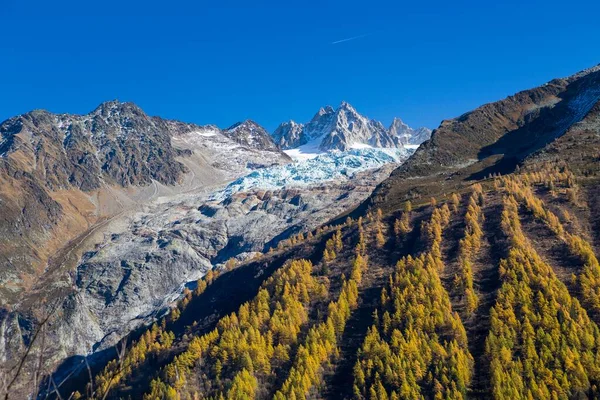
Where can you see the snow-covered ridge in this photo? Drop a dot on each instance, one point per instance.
(342, 129)
(330, 166)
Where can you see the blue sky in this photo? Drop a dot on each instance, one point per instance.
(223, 61)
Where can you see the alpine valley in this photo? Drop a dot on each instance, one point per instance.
(339, 258)
(107, 217)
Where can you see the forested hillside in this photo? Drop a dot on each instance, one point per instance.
(490, 291)
(471, 272)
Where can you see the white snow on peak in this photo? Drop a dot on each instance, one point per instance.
(342, 129)
(207, 133)
(585, 72)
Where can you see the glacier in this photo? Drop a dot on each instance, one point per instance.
(332, 165)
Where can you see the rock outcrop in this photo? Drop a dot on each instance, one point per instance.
(405, 135)
(250, 134)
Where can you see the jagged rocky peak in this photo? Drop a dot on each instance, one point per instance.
(351, 129)
(340, 129)
(323, 111)
(398, 127)
(124, 117)
(113, 107)
(249, 133)
(115, 143)
(405, 135)
(346, 116)
(289, 134)
(345, 106)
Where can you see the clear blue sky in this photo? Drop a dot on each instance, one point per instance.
(224, 61)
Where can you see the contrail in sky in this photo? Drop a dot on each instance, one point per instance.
(352, 38)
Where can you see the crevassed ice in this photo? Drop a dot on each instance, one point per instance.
(333, 165)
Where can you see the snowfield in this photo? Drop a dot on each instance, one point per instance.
(307, 151)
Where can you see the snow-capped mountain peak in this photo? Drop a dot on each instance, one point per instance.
(346, 115)
(334, 129)
(344, 105)
(406, 135)
(323, 111)
(289, 134)
(344, 128)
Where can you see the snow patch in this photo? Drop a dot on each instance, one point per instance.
(411, 146)
(207, 133)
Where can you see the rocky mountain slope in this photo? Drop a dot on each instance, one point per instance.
(511, 128)
(344, 128)
(68, 181)
(496, 137)
(474, 275)
(60, 174)
(146, 236)
(116, 143)
(249, 133)
(49, 161)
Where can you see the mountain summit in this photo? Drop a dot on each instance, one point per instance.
(344, 128)
(250, 134)
(405, 135)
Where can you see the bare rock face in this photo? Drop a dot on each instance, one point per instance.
(250, 134)
(48, 160)
(405, 135)
(116, 143)
(289, 135)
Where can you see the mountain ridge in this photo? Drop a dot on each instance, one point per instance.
(448, 267)
(113, 270)
(495, 137)
(439, 226)
(343, 128)
(251, 134)
(60, 174)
